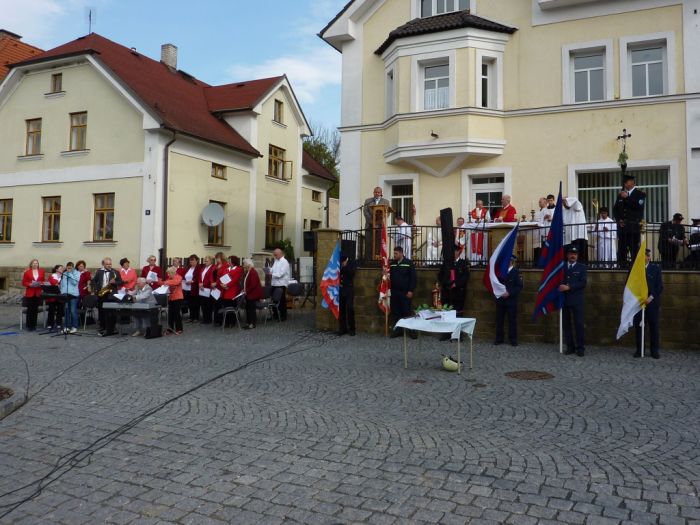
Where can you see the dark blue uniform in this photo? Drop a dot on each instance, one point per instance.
(576, 278)
(651, 316)
(509, 305)
(347, 298)
(628, 213)
(403, 280)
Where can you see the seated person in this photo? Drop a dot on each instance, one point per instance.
(142, 293)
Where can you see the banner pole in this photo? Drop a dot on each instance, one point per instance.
(386, 322)
(561, 332)
(643, 329)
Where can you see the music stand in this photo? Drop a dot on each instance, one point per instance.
(50, 291)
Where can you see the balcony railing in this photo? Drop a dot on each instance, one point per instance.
(598, 248)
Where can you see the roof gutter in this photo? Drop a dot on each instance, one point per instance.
(166, 165)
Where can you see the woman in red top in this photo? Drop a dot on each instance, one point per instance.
(190, 286)
(56, 307)
(253, 293)
(220, 269)
(231, 290)
(151, 267)
(85, 277)
(128, 274)
(174, 283)
(32, 280)
(205, 286)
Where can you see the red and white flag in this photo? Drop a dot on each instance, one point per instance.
(385, 284)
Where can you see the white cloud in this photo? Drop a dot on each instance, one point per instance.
(309, 72)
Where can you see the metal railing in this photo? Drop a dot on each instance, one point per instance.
(598, 245)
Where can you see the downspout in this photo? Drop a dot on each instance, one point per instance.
(166, 164)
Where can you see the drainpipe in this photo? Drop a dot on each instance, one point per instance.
(164, 250)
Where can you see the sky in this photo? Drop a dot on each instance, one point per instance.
(219, 41)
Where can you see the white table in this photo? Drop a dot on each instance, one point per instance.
(456, 327)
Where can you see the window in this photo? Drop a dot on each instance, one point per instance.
(215, 234)
(488, 190)
(315, 196)
(277, 167)
(57, 83)
(437, 7)
(33, 146)
(315, 225)
(103, 229)
(274, 228)
(390, 109)
(647, 71)
(5, 220)
(78, 131)
(402, 201)
(218, 171)
(436, 86)
(605, 186)
(51, 223)
(589, 77)
(279, 112)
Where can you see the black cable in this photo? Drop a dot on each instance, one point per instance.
(73, 459)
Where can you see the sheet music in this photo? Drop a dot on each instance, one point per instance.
(162, 290)
(119, 295)
(216, 294)
(152, 276)
(204, 292)
(225, 279)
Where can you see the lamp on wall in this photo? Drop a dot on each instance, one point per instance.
(433, 134)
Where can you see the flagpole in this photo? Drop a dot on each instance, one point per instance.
(386, 323)
(561, 332)
(643, 329)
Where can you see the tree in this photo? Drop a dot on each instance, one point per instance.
(324, 146)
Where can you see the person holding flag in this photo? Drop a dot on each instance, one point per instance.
(650, 310)
(508, 304)
(573, 288)
(330, 283)
(347, 296)
(497, 279)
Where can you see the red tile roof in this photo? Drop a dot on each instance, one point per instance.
(178, 99)
(314, 167)
(13, 50)
(240, 95)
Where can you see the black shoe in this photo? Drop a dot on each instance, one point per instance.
(513, 344)
(412, 334)
(580, 353)
(341, 333)
(569, 351)
(655, 356)
(352, 333)
(395, 334)
(445, 337)
(497, 342)
(637, 354)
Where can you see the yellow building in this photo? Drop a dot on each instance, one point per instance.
(448, 101)
(106, 152)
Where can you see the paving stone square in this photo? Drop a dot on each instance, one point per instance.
(285, 424)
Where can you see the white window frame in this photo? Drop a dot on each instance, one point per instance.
(568, 52)
(495, 60)
(387, 181)
(628, 43)
(416, 8)
(390, 92)
(418, 65)
(478, 173)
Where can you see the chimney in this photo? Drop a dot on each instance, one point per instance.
(9, 34)
(168, 55)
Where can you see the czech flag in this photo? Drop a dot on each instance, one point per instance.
(549, 298)
(330, 283)
(499, 262)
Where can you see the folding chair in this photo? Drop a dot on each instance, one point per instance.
(235, 310)
(274, 303)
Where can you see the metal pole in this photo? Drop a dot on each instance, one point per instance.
(643, 330)
(561, 331)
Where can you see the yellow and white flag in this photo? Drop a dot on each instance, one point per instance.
(636, 291)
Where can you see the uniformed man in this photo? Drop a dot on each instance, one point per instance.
(403, 283)
(508, 304)
(653, 305)
(671, 238)
(629, 212)
(347, 296)
(575, 279)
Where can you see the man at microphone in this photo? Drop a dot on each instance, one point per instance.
(376, 199)
(628, 213)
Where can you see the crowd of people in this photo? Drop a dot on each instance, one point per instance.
(202, 290)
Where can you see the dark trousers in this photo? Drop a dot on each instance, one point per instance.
(207, 304)
(55, 315)
(575, 312)
(108, 318)
(454, 297)
(669, 255)
(651, 319)
(347, 312)
(175, 315)
(400, 305)
(283, 301)
(504, 308)
(32, 311)
(251, 312)
(627, 241)
(192, 300)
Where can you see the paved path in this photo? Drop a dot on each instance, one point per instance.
(333, 430)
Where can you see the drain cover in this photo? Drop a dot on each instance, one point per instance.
(529, 375)
(479, 385)
(417, 381)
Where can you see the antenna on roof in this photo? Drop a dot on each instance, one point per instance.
(90, 17)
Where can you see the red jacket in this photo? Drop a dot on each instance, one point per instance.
(175, 285)
(146, 269)
(233, 288)
(206, 280)
(508, 214)
(84, 283)
(253, 288)
(28, 279)
(128, 278)
(53, 281)
(194, 285)
(181, 271)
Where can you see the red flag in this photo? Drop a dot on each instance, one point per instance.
(385, 284)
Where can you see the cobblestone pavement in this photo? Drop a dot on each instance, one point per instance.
(333, 430)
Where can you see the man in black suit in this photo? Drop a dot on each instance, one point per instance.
(347, 296)
(671, 238)
(508, 304)
(574, 286)
(629, 212)
(372, 247)
(653, 305)
(107, 277)
(402, 273)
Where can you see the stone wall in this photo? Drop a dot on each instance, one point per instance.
(680, 311)
(12, 276)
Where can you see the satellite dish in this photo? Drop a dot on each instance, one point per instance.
(213, 214)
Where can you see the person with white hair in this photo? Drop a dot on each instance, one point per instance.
(575, 233)
(142, 293)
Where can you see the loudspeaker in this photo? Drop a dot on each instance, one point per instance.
(310, 241)
(349, 248)
(154, 331)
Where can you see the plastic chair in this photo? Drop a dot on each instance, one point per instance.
(235, 310)
(23, 312)
(274, 304)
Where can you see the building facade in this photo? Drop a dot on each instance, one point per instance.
(106, 152)
(446, 102)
